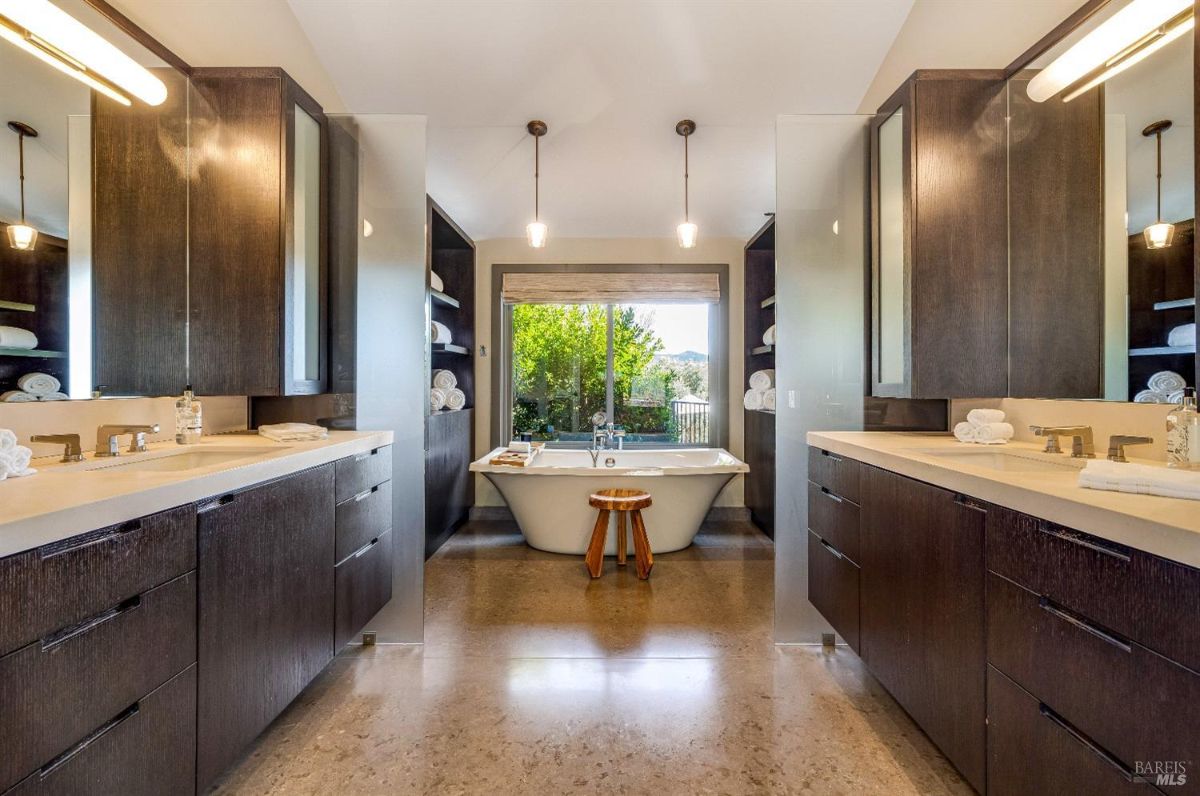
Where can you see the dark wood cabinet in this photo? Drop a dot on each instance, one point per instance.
(363, 583)
(760, 314)
(449, 489)
(266, 597)
(760, 481)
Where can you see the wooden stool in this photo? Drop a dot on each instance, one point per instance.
(627, 503)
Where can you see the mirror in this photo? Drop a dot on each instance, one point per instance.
(1085, 200)
(105, 187)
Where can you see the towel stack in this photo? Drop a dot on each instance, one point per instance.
(445, 393)
(1140, 479)
(435, 282)
(35, 387)
(16, 337)
(984, 427)
(769, 335)
(1182, 336)
(1164, 387)
(440, 333)
(14, 458)
(293, 432)
(761, 395)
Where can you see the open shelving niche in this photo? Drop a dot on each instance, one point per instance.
(1162, 296)
(760, 313)
(34, 295)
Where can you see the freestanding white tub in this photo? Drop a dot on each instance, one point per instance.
(549, 498)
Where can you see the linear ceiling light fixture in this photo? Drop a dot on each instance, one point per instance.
(687, 231)
(22, 236)
(45, 31)
(1160, 234)
(536, 232)
(1129, 36)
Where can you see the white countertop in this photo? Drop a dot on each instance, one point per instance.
(1167, 527)
(63, 500)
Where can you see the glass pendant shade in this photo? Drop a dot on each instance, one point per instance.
(22, 236)
(1159, 235)
(536, 234)
(687, 232)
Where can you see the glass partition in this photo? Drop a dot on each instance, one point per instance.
(306, 243)
(891, 250)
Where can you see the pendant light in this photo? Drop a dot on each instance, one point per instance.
(22, 236)
(687, 231)
(536, 232)
(1160, 234)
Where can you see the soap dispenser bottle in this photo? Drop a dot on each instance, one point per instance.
(1183, 433)
(189, 423)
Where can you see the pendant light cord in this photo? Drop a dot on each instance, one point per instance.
(686, 217)
(1158, 175)
(537, 176)
(21, 161)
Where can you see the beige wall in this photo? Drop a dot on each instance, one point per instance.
(515, 251)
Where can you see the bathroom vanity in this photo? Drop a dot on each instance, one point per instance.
(1041, 634)
(145, 653)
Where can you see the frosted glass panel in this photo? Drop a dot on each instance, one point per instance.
(891, 250)
(306, 241)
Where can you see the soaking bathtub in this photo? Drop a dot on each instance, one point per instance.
(549, 498)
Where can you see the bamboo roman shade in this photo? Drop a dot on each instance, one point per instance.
(612, 288)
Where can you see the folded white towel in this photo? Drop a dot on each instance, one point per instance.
(965, 432)
(993, 433)
(1151, 397)
(437, 399)
(753, 400)
(1141, 479)
(54, 396)
(440, 332)
(1175, 397)
(769, 400)
(769, 335)
(520, 446)
(444, 380)
(39, 383)
(1182, 336)
(8, 439)
(16, 337)
(979, 417)
(435, 282)
(455, 399)
(293, 432)
(1166, 381)
(762, 379)
(14, 462)
(17, 396)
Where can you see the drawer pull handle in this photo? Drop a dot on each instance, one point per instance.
(1077, 539)
(1077, 621)
(365, 548)
(366, 493)
(831, 496)
(224, 500)
(833, 457)
(89, 624)
(839, 556)
(1088, 743)
(969, 503)
(108, 726)
(88, 539)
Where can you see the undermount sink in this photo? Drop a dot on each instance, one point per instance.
(183, 460)
(1010, 461)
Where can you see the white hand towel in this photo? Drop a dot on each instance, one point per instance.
(293, 432)
(762, 379)
(444, 380)
(435, 282)
(17, 397)
(15, 462)
(753, 400)
(993, 433)
(437, 399)
(16, 337)
(1167, 381)
(979, 417)
(8, 440)
(965, 432)
(1141, 479)
(456, 399)
(769, 400)
(1150, 397)
(42, 383)
(1181, 336)
(54, 396)
(769, 335)
(1175, 397)
(440, 332)
(520, 446)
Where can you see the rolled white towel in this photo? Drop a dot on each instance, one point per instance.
(965, 432)
(444, 380)
(54, 396)
(769, 400)
(520, 446)
(1150, 397)
(437, 399)
(435, 282)
(15, 462)
(762, 379)
(456, 399)
(979, 417)
(440, 332)
(1165, 381)
(44, 383)
(753, 400)
(993, 433)
(16, 337)
(8, 439)
(769, 335)
(1175, 397)
(17, 396)
(1180, 336)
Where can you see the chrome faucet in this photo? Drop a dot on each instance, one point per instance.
(1117, 443)
(71, 452)
(1082, 446)
(106, 438)
(603, 434)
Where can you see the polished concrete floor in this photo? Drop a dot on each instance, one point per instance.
(535, 679)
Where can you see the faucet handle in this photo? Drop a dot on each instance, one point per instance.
(1117, 443)
(1082, 446)
(71, 450)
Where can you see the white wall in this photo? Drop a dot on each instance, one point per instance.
(614, 251)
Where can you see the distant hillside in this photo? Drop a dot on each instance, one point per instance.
(688, 356)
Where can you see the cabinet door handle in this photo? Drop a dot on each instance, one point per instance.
(969, 503)
(88, 539)
(90, 624)
(366, 493)
(831, 496)
(833, 457)
(1077, 539)
(365, 548)
(108, 726)
(1077, 621)
(224, 500)
(833, 550)
(1088, 743)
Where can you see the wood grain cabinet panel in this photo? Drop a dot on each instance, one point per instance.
(760, 481)
(834, 472)
(356, 474)
(449, 489)
(361, 519)
(363, 585)
(833, 588)
(266, 594)
(834, 519)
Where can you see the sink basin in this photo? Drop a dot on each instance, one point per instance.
(183, 460)
(1009, 461)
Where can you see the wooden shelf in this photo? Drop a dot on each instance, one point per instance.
(1166, 305)
(38, 353)
(450, 348)
(761, 411)
(442, 298)
(763, 349)
(768, 302)
(19, 306)
(1162, 351)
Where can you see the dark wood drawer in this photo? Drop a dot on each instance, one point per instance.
(55, 691)
(1139, 596)
(833, 588)
(362, 518)
(834, 472)
(84, 575)
(834, 519)
(355, 474)
(1031, 749)
(1133, 702)
(363, 584)
(146, 749)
